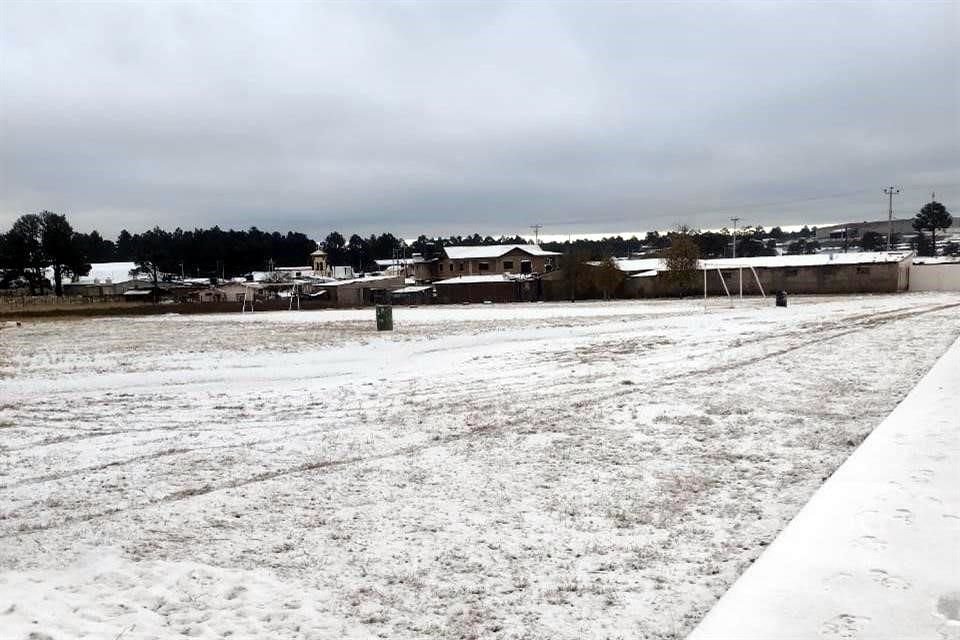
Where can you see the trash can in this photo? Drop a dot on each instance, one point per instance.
(384, 317)
(781, 298)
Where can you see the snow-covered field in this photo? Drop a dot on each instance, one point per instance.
(589, 470)
(875, 553)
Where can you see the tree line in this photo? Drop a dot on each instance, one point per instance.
(38, 242)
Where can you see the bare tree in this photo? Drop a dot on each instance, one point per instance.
(682, 260)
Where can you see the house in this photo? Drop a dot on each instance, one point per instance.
(494, 259)
(416, 267)
(357, 292)
(852, 232)
(413, 294)
(105, 280)
(208, 294)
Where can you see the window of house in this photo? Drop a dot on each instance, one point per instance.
(790, 272)
(863, 270)
(526, 266)
(451, 266)
(484, 266)
(460, 266)
(239, 297)
(507, 264)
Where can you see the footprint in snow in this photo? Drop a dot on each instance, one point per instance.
(845, 625)
(892, 582)
(904, 515)
(870, 543)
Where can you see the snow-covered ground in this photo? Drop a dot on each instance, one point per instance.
(581, 470)
(876, 551)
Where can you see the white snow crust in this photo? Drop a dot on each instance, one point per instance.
(587, 470)
(876, 551)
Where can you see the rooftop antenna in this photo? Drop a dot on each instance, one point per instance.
(536, 232)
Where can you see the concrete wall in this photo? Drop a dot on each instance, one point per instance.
(935, 277)
(477, 292)
(888, 277)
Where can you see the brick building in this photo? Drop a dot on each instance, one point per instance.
(494, 260)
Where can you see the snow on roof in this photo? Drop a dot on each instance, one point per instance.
(486, 279)
(937, 260)
(494, 251)
(810, 260)
(639, 264)
(338, 283)
(398, 261)
(319, 252)
(100, 272)
(414, 289)
(281, 272)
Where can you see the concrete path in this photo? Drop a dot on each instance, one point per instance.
(876, 552)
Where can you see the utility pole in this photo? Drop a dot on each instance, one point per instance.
(890, 191)
(536, 232)
(735, 221)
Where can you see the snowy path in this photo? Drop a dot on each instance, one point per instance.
(876, 551)
(512, 471)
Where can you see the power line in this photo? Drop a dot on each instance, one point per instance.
(735, 221)
(890, 191)
(692, 213)
(536, 232)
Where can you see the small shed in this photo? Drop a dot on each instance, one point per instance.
(420, 294)
(487, 288)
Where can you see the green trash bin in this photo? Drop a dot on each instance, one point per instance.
(384, 317)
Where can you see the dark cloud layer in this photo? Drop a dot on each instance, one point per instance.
(455, 117)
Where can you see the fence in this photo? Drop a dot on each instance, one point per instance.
(25, 301)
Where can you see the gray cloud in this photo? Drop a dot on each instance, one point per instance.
(455, 117)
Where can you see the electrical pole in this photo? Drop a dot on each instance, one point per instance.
(735, 221)
(536, 232)
(890, 191)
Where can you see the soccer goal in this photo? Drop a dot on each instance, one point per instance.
(730, 298)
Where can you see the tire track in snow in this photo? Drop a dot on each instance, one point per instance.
(862, 322)
(192, 492)
(867, 321)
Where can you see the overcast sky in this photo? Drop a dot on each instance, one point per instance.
(449, 118)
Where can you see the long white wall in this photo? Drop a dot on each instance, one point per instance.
(935, 277)
(876, 552)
